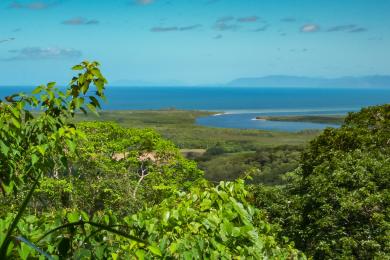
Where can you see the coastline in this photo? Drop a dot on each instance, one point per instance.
(320, 119)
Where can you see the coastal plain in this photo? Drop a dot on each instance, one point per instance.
(223, 153)
(180, 127)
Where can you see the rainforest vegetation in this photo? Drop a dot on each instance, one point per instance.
(223, 154)
(72, 188)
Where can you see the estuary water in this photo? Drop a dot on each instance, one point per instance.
(242, 104)
(248, 121)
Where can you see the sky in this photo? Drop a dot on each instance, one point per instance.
(192, 42)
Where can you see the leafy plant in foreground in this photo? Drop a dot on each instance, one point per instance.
(210, 223)
(36, 144)
(206, 222)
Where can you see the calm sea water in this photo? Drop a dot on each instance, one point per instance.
(242, 104)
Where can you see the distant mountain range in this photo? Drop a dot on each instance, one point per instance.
(293, 81)
(276, 81)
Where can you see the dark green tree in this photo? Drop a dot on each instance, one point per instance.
(337, 204)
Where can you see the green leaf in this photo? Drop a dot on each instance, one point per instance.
(106, 219)
(83, 110)
(37, 90)
(34, 159)
(71, 145)
(140, 254)
(166, 216)
(92, 108)
(16, 123)
(42, 149)
(78, 67)
(83, 253)
(51, 84)
(73, 217)
(24, 251)
(96, 72)
(99, 85)
(99, 251)
(4, 148)
(173, 247)
(155, 250)
(8, 188)
(94, 101)
(114, 256)
(85, 216)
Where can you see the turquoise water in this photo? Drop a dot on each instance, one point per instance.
(243, 103)
(248, 121)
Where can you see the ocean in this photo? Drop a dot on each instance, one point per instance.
(242, 104)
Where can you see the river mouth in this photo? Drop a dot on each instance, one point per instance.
(248, 121)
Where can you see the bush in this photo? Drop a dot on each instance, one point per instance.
(337, 204)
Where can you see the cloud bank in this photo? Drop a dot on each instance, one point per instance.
(352, 28)
(175, 28)
(38, 53)
(37, 5)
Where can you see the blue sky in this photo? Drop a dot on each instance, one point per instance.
(193, 41)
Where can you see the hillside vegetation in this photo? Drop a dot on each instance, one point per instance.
(98, 190)
(336, 205)
(223, 154)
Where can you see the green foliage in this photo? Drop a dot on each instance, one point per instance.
(205, 222)
(123, 169)
(337, 205)
(66, 234)
(348, 204)
(210, 222)
(271, 163)
(217, 149)
(35, 145)
(228, 151)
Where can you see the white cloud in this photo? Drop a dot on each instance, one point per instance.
(307, 28)
(38, 53)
